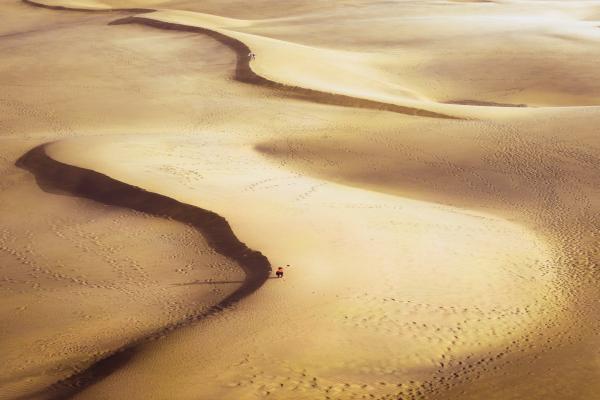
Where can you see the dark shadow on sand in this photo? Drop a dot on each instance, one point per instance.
(108, 10)
(484, 103)
(244, 73)
(55, 177)
(212, 282)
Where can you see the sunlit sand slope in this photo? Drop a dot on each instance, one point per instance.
(537, 53)
(370, 292)
(80, 279)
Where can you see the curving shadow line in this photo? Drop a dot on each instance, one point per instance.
(56, 177)
(484, 103)
(244, 73)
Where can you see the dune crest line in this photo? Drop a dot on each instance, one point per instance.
(244, 72)
(54, 176)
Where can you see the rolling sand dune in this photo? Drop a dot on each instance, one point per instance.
(85, 183)
(347, 309)
(442, 239)
(328, 94)
(121, 287)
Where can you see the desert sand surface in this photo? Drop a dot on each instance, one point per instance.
(427, 172)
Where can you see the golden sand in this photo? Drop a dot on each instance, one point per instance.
(428, 170)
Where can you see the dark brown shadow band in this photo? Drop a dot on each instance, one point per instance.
(244, 73)
(56, 177)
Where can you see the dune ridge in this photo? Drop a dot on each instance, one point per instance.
(54, 176)
(245, 73)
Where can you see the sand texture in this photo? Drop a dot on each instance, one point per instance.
(427, 172)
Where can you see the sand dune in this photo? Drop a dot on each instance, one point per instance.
(246, 74)
(545, 62)
(430, 258)
(348, 309)
(85, 5)
(85, 183)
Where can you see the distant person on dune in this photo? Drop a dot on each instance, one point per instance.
(279, 272)
(251, 56)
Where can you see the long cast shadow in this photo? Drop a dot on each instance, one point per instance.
(208, 282)
(56, 177)
(244, 73)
